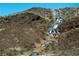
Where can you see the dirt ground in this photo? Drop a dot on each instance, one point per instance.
(23, 33)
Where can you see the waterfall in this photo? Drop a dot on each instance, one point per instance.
(54, 26)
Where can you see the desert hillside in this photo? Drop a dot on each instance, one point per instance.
(24, 32)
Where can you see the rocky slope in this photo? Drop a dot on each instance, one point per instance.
(24, 29)
(25, 32)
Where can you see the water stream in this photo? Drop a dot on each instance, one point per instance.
(57, 22)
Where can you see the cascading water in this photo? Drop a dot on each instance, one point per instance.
(58, 20)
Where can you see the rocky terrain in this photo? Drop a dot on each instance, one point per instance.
(26, 31)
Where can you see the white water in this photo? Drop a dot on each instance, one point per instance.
(54, 26)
